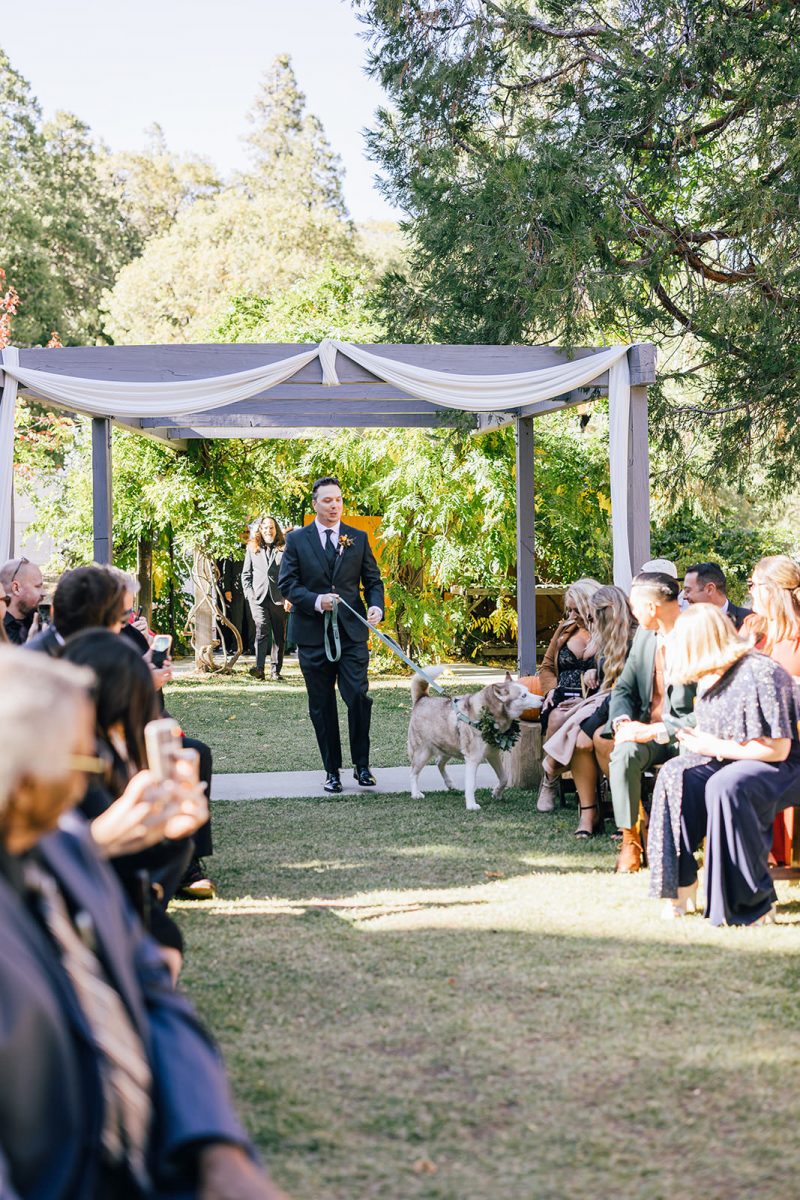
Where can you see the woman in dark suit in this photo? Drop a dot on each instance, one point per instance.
(262, 563)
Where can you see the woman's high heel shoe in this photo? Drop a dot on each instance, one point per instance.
(687, 896)
(583, 834)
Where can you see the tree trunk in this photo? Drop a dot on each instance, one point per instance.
(204, 631)
(144, 571)
(525, 760)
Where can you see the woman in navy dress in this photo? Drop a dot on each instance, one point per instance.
(734, 773)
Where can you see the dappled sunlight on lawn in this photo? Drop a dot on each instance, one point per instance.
(595, 905)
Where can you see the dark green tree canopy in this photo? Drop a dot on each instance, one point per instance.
(622, 170)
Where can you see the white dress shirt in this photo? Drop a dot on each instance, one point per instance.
(322, 530)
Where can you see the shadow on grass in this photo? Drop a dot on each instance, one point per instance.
(483, 1050)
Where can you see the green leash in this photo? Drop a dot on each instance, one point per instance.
(486, 725)
(333, 655)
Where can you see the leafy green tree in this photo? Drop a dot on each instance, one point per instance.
(62, 234)
(585, 172)
(154, 185)
(262, 233)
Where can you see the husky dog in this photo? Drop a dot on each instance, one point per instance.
(435, 730)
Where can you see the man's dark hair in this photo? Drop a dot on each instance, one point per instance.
(657, 581)
(87, 597)
(709, 573)
(324, 482)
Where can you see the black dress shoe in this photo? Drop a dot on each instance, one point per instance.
(364, 776)
(332, 782)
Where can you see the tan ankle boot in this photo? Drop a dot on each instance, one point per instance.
(548, 793)
(630, 856)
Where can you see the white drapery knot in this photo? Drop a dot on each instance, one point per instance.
(327, 360)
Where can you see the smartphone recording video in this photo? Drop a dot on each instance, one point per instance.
(162, 740)
(162, 644)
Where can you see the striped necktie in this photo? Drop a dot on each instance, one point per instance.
(124, 1069)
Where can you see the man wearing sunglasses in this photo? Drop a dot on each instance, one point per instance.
(22, 581)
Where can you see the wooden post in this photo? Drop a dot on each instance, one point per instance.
(526, 560)
(638, 480)
(101, 489)
(144, 571)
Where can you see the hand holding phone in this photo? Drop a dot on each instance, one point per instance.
(162, 644)
(162, 740)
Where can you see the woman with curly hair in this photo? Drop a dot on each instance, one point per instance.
(262, 563)
(571, 746)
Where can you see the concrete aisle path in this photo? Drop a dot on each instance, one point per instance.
(284, 785)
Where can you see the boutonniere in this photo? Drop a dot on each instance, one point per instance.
(344, 542)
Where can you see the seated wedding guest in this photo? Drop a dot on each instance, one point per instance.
(568, 656)
(4, 601)
(21, 580)
(125, 700)
(262, 563)
(572, 746)
(734, 773)
(775, 591)
(113, 1089)
(644, 711)
(196, 884)
(705, 583)
(85, 597)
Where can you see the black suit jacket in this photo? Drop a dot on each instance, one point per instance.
(306, 574)
(51, 1098)
(737, 614)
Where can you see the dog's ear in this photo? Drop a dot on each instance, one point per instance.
(508, 677)
(496, 695)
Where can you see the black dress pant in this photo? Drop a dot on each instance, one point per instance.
(321, 677)
(202, 836)
(270, 621)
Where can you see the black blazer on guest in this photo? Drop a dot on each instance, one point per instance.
(737, 614)
(260, 575)
(46, 641)
(51, 1098)
(305, 574)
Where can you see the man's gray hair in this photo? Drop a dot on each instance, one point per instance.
(40, 701)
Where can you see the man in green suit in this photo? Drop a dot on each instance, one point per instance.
(645, 711)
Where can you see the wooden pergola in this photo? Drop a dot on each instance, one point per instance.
(303, 406)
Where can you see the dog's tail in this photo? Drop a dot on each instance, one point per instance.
(419, 686)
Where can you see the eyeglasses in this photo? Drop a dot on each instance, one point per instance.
(20, 565)
(751, 583)
(87, 763)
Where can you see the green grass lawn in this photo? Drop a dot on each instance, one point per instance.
(254, 726)
(417, 1002)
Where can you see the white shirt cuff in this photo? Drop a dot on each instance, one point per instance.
(318, 603)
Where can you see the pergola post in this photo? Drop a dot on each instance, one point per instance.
(638, 480)
(526, 555)
(101, 489)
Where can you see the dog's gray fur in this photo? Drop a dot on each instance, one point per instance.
(435, 731)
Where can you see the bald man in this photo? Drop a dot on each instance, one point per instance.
(22, 581)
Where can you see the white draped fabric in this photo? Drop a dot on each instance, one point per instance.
(469, 393)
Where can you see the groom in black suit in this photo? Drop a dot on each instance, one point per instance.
(325, 560)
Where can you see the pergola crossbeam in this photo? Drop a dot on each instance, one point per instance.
(303, 406)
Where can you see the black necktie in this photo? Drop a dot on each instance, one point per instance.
(330, 549)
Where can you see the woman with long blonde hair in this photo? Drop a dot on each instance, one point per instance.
(775, 590)
(739, 766)
(571, 747)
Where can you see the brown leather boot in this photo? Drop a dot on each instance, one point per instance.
(630, 856)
